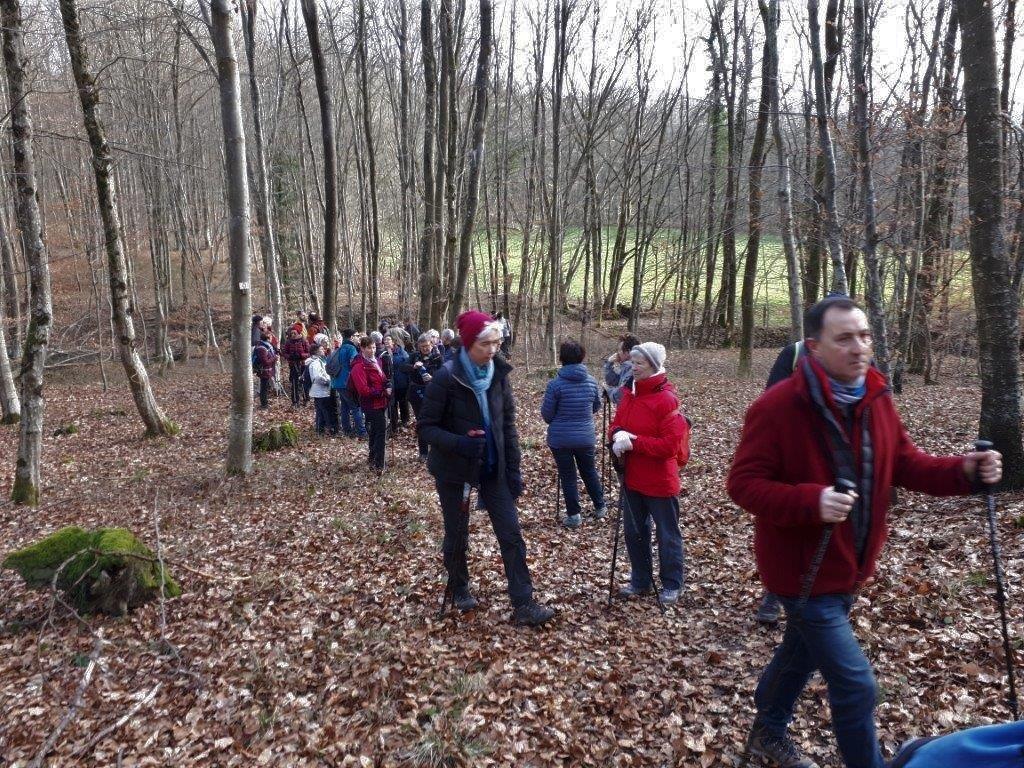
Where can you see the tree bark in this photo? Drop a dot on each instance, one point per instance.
(264, 210)
(427, 254)
(876, 308)
(26, 488)
(371, 156)
(239, 458)
(991, 271)
(476, 161)
(323, 94)
(106, 197)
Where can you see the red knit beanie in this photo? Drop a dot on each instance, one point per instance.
(470, 325)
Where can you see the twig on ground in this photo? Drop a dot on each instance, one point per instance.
(76, 703)
(119, 722)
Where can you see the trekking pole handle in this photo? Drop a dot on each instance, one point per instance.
(981, 446)
(845, 486)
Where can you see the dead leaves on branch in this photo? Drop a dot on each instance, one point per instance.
(329, 651)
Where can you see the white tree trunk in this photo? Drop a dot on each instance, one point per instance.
(26, 472)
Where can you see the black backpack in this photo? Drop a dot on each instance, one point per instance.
(334, 364)
(307, 379)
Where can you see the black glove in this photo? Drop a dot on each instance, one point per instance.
(515, 484)
(471, 447)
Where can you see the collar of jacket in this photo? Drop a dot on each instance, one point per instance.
(654, 383)
(502, 368)
(875, 382)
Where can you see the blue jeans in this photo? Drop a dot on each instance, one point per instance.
(637, 512)
(567, 460)
(351, 414)
(822, 639)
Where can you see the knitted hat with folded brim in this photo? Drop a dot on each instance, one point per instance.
(653, 353)
(474, 324)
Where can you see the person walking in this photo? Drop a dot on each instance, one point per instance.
(468, 419)
(833, 420)
(618, 368)
(350, 415)
(373, 390)
(296, 351)
(326, 419)
(652, 439)
(570, 402)
(422, 366)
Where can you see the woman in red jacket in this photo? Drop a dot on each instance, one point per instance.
(374, 394)
(652, 438)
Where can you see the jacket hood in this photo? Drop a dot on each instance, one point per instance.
(573, 372)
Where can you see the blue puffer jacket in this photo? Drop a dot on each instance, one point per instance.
(570, 402)
(401, 359)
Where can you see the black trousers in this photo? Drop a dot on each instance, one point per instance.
(264, 392)
(377, 427)
(398, 408)
(501, 508)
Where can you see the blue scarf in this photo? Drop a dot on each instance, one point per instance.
(848, 394)
(479, 378)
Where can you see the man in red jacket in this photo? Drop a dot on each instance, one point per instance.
(834, 418)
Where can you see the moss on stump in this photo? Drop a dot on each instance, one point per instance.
(107, 570)
(283, 435)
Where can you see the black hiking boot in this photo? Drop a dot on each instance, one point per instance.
(532, 614)
(779, 751)
(464, 601)
(769, 610)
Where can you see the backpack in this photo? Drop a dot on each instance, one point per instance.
(334, 363)
(992, 746)
(255, 358)
(306, 378)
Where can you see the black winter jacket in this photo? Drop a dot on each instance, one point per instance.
(450, 411)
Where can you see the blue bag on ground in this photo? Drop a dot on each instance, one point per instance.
(991, 746)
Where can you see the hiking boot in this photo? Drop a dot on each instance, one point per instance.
(769, 610)
(628, 592)
(668, 596)
(532, 614)
(780, 751)
(601, 512)
(464, 600)
(572, 521)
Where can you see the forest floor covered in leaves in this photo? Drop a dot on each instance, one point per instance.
(307, 633)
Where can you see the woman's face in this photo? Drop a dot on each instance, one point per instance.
(641, 368)
(424, 347)
(484, 349)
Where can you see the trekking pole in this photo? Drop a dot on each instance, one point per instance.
(626, 509)
(615, 548)
(843, 486)
(604, 430)
(558, 496)
(997, 563)
(449, 592)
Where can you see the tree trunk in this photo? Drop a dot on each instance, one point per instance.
(476, 160)
(26, 471)
(562, 10)
(374, 234)
(239, 458)
(991, 271)
(264, 210)
(10, 403)
(106, 197)
(323, 93)
(876, 308)
(757, 155)
(832, 229)
(427, 255)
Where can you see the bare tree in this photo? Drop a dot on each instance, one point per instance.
(106, 196)
(239, 459)
(26, 469)
(995, 301)
(323, 93)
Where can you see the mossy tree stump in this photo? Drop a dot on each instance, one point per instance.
(283, 435)
(107, 570)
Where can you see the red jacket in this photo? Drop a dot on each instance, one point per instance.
(370, 383)
(782, 464)
(296, 351)
(662, 444)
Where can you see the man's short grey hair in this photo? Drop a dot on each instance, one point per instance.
(376, 336)
(425, 336)
(447, 335)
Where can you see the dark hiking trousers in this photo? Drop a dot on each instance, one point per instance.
(823, 640)
(264, 392)
(376, 427)
(636, 523)
(568, 460)
(326, 416)
(501, 507)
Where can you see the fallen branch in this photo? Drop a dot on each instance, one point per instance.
(76, 703)
(120, 721)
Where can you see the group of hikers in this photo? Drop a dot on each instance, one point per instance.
(816, 462)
